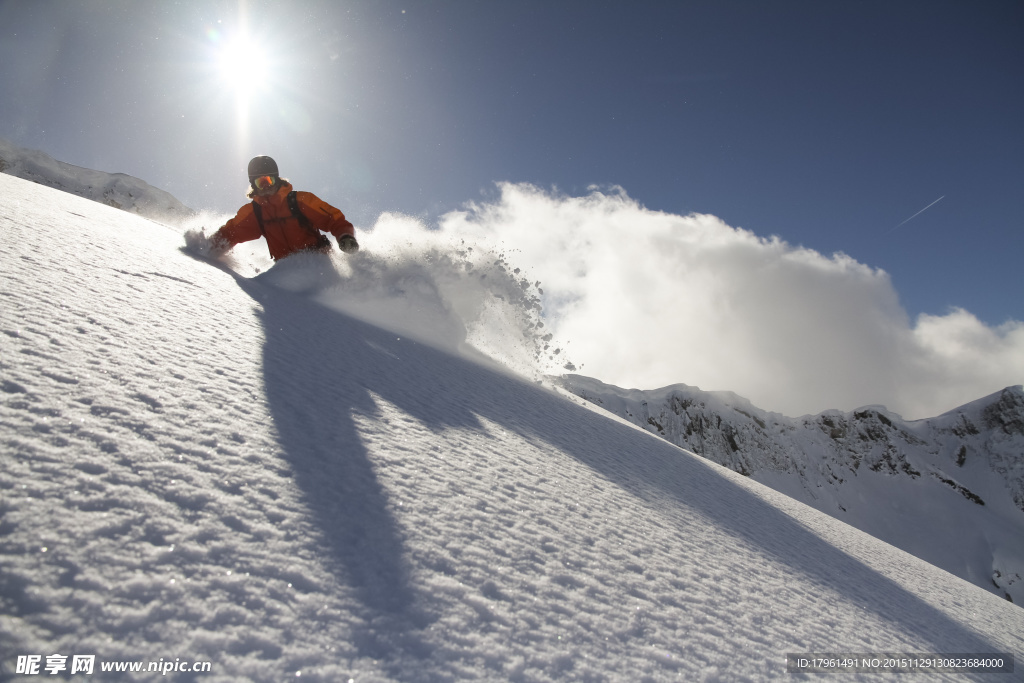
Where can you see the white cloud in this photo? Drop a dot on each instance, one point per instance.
(645, 299)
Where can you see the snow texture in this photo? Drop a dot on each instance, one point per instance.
(206, 466)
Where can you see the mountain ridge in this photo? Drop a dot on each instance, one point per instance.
(975, 452)
(118, 190)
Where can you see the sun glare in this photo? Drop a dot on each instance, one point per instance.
(239, 72)
(236, 61)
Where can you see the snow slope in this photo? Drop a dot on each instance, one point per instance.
(201, 466)
(113, 189)
(949, 489)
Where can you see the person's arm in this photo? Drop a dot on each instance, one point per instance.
(242, 228)
(325, 217)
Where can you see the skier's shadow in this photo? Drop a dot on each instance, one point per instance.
(321, 370)
(313, 388)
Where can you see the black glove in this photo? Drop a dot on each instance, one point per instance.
(348, 244)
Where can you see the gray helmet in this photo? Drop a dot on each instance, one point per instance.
(262, 165)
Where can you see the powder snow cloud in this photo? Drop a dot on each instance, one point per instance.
(644, 298)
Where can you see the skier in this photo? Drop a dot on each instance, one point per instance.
(291, 221)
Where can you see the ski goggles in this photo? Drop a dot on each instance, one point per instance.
(263, 182)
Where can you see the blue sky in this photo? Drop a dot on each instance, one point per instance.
(825, 123)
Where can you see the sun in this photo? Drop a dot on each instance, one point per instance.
(236, 61)
(240, 73)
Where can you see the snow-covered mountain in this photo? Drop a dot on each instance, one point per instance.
(949, 490)
(248, 472)
(113, 189)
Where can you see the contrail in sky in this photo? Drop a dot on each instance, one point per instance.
(918, 213)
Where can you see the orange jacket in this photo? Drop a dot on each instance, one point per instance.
(285, 235)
